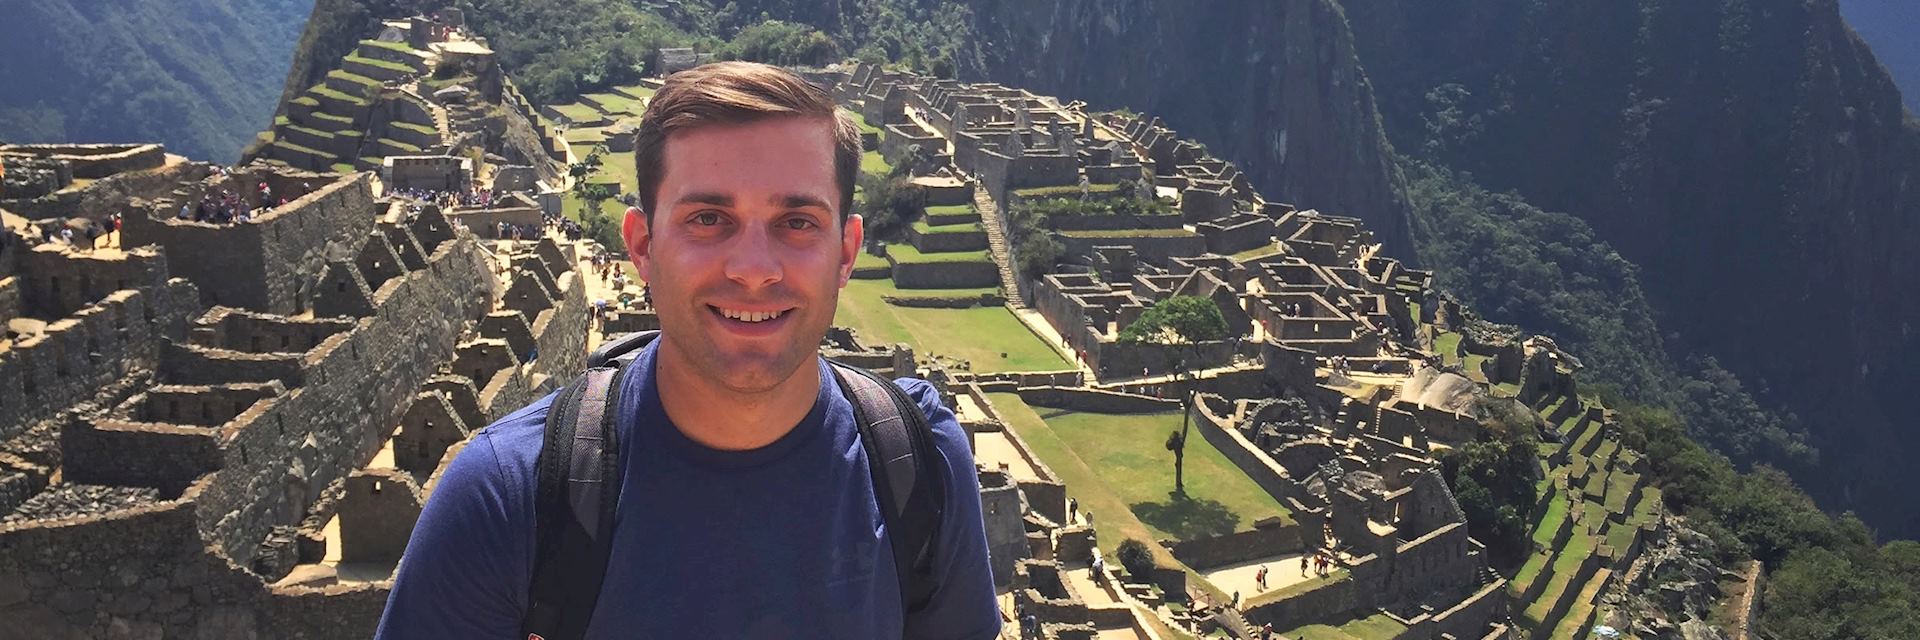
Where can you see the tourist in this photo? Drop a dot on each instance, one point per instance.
(1260, 577)
(747, 417)
(1303, 565)
(1073, 509)
(1236, 600)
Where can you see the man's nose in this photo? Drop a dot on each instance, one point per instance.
(754, 259)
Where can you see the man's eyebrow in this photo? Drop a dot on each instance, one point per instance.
(706, 197)
(798, 201)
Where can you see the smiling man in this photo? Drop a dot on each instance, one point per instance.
(746, 504)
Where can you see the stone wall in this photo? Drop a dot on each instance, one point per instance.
(94, 161)
(1113, 222)
(1261, 542)
(1155, 249)
(356, 386)
(278, 252)
(1095, 400)
(57, 282)
(43, 375)
(945, 275)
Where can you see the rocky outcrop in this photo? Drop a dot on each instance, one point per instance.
(1671, 588)
(1273, 86)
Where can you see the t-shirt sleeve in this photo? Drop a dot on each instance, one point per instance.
(466, 568)
(963, 605)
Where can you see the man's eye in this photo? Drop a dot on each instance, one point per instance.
(800, 223)
(706, 218)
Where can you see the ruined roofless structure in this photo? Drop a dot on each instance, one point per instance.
(227, 430)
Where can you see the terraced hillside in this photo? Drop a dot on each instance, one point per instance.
(1594, 513)
(416, 89)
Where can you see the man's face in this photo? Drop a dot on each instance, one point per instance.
(746, 254)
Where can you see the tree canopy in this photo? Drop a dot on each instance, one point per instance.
(1182, 320)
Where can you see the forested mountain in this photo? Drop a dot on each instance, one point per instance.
(1892, 28)
(198, 75)
(1749, 157)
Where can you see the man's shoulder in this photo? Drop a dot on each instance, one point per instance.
(514, 441)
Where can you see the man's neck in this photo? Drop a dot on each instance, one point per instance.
(720, 418)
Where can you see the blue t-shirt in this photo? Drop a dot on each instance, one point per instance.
(783, 541)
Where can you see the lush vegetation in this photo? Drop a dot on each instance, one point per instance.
(201, 77)
(1829, 579)
(1549, 273)
(1494, 478)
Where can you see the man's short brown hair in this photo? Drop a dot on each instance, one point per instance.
(737, 93)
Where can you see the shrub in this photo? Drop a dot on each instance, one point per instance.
(1136, 558)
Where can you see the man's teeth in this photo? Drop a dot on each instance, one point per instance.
(751, 316)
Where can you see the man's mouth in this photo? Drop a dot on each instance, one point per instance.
(743, 315)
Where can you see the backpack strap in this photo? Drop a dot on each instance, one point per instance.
(578, 488)
(621, 350)
(909, 487)
(574, 506)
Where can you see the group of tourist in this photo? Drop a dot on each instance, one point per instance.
(566, 227)
(511, 231)
(467, 198)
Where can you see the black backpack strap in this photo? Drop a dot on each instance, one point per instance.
(621, 350)
(574, 506)
(900, 456)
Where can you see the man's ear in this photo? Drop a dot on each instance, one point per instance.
(635, 233)
(852, 236)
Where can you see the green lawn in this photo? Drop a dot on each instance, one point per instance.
(864, 126)
(396, 46)
(907, 253)
(636, 90)
(1261, 251)
(950, 209)
(587, 137)
(578, 112)
(872, 162)
(865, 260)
(989, 331)
(1375, 627)
(614, 103)
(964, 227)
(1446, 343)
(1130, 453)
(620, 165)
(1062, 191)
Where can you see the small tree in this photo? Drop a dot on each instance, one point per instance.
(1184, 321)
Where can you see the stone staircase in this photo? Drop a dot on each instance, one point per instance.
(997, 243)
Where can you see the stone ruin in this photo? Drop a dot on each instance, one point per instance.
(228, 430)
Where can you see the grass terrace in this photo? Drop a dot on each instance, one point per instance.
(908, 254)
(322, 90)
(376, 62)
(615, 103)
(418, 128)
(578, 112)
(965, 227)
(1262, 252)
(396, 46)
(872, 162)
(1378, 626)
(990, 331)
(1131, 470)
(1037, 193)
